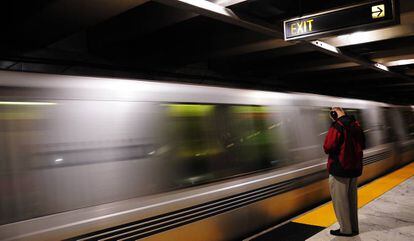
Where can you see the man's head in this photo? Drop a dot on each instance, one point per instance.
(336, 112)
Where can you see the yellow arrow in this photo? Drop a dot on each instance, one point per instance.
(378, 11)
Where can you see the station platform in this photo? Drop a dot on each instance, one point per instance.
(386, 212)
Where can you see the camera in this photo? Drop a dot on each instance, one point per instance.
(333, 115)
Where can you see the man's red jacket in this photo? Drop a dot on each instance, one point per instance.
(344, 144)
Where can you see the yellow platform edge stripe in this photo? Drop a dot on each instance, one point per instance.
(324, 215)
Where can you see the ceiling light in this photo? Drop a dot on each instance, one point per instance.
(357, 37)
(325, 46)
(381, 66)
(400, 62)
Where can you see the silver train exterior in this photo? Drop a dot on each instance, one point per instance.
(110, 159)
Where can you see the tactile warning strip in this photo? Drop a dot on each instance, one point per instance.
(324, 215)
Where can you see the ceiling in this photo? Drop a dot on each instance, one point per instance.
(237, 43)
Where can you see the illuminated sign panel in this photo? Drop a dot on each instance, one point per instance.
(364, 16)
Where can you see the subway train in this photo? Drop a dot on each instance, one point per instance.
(86, 158)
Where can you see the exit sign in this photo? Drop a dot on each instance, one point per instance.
(358, 17)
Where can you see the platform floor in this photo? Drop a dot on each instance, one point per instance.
(386, 213)
(389, 217)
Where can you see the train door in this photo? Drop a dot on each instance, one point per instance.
(311, 126)
(398, 130)
(407, 145)
(292, 132)
(392, 131)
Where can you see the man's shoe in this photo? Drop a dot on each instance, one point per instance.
(338, 233)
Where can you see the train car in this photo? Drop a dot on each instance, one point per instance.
(87, 158)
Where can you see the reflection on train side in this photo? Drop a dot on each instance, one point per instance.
(57, 156)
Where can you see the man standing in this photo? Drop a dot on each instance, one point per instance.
(344, 144)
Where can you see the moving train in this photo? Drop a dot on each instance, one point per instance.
(86, 158)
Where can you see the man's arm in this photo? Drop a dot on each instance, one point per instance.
(331, 143)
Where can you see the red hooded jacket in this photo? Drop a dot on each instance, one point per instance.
(344, 144)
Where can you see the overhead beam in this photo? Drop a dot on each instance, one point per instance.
(61, 18)
(383, 34)
(398, 31)
(221, 13)
(136, 21)
(336, 52)
(366, 77)
(397, 85)
(405, 29)
(410, 72)
(224, 14)
(348, 78)
(251, 48)
(226, 3)
(320, 67)
(328, 64)
(400, 50)
(393, 90)
(396, 60)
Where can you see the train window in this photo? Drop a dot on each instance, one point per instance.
(20, 123)
(389, 134)
(255, 132)
(211, 142)
(189, 135)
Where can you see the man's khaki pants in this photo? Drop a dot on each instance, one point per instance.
(344, 198)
